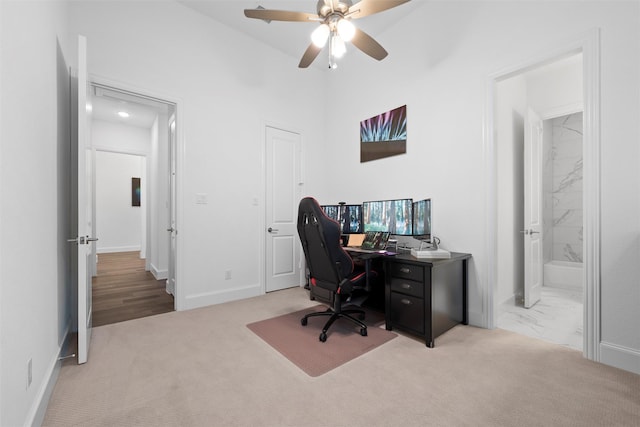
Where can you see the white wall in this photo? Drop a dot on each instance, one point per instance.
(439, 63)
(113, 194)
(226, 93)
(557, 88)
(510, 113)
(118, 224)
(121, 138)
(34, 183)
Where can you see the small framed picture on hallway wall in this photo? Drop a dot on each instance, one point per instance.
(135, 191)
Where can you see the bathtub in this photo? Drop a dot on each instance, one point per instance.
(563, 274)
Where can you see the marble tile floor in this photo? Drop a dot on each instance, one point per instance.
(556, 318)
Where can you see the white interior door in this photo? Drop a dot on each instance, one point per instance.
(171, 279)
(82, 178)
(282, 250)
(532, 209)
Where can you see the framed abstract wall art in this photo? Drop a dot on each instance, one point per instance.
(135, 191)
(384, 135)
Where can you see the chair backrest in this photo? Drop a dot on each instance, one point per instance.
(327, 261)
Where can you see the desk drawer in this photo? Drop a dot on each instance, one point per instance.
(408, 287)
(407, 271)
(407, 312)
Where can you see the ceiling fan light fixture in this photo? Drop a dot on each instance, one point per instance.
(319, 35)
(338, 48)
(346, 29)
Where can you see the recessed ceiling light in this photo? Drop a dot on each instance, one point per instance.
(123, 114)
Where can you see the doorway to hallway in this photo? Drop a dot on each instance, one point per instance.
(134, 196)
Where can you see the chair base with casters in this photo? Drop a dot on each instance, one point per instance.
(336, 313)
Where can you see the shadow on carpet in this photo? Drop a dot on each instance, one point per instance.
(300, 344)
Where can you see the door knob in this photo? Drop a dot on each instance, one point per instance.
(272, 230)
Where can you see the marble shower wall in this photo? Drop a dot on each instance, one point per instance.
(562, 186)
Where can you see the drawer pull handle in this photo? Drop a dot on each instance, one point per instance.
(406, 286)
(405, 301)
(405, 270)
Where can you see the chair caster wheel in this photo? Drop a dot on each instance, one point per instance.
(323, 337)
(303, 321)
(363, 332)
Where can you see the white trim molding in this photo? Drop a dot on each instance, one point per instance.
(218, 297)
(159, 274)
(591, 194)
(589, 45)
(620, 357)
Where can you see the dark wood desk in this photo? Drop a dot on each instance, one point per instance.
(426, 297)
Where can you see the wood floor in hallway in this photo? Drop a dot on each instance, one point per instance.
(123, 290)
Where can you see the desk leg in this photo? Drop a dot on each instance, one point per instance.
(367, 272)
(387, 298)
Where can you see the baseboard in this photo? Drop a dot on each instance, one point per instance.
(620, 357)
(35, 417)
(477, 319)
(159, 274)
(115, 249)
(219, 297)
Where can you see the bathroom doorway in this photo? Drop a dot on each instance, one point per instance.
(539, 202)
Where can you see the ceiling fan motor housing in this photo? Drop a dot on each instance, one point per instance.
(341, 7)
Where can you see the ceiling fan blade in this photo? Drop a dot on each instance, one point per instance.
(369, 7)
(309, 56)
(368, 45)
(280, 15)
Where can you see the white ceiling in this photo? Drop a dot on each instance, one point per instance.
(292, 38)
(106, 104)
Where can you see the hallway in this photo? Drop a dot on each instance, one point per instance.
(123, 290)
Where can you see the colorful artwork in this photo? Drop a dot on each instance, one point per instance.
(384, 135)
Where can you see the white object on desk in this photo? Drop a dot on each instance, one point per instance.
(430, 253)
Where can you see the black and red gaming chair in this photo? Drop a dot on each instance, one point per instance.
(330, 267)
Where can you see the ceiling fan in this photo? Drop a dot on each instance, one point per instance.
(335, 27)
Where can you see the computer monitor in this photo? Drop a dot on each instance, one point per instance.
(332, 211)
(351, 219)
(422, 220)
(394, 216)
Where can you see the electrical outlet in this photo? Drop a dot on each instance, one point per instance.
(227, 275)
(29, 372)
(202, 198)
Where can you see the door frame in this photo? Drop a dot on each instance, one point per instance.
(179, 302)
(263, 218)
(589, 45)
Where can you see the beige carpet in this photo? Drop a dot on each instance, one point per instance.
(204, 367)
(300, 344)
